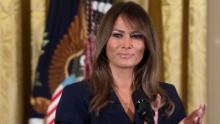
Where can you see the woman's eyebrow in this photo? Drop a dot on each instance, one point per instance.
(122, 31)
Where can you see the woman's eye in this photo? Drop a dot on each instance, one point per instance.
(137, 36)
(117, 35)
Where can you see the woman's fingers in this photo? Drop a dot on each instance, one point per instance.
(196, 116)
(200, 113)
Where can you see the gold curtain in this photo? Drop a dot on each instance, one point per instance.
(38, 18)
(197, 54)
(181, 25)
(22, 25)
(172, 38)
(10, 62)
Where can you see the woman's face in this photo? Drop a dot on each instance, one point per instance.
(125, 47)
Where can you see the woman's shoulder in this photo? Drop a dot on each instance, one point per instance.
(74, 102)
(170, 90)
(166, 86)
(79, 86)
(79, 89)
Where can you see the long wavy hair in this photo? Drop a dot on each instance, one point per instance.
(146, 73)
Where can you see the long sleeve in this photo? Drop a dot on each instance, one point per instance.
(179, 111)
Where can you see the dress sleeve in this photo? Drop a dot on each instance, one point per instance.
(71, 109)
(179, 111)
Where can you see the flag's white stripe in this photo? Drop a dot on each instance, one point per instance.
(54, 103)
(51, 117)
(60, 87)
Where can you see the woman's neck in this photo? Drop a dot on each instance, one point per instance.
(123, 78)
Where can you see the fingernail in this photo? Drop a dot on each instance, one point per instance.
(200, 111)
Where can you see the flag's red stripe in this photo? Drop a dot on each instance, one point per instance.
(52, 121)
(56, 95)
(50, 112)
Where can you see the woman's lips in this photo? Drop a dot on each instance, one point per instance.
(125, 55)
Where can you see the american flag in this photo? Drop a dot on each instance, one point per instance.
(50, 117)
(94, 11)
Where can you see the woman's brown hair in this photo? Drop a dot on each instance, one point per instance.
(146, 73)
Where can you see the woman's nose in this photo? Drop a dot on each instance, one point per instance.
(127, 43)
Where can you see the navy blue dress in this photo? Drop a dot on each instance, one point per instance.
(74, 103)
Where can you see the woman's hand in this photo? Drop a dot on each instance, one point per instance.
(195, 117)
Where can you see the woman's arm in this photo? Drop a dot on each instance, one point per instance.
(179, 110)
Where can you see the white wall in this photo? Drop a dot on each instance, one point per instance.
(213, 60)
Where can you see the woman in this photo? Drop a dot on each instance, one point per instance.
(125, 71)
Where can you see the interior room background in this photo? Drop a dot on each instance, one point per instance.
(188, 32)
